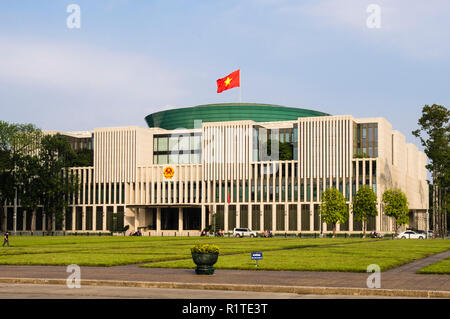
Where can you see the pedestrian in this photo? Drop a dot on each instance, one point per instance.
(6, 239)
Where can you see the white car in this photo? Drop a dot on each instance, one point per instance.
(409, 234)
(243, 232)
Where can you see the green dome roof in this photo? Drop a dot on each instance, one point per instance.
(185, 117)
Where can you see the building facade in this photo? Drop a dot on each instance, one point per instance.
(237, 165)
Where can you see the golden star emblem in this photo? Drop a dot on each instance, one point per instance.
(227, 81)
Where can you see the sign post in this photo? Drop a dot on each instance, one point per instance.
(256, 256)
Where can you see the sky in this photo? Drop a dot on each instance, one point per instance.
(132, 58)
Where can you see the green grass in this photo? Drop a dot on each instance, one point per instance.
(321, 254)
(113, 251)
(441, 267)
(354, 257)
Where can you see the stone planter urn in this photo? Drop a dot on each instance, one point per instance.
(205, 256)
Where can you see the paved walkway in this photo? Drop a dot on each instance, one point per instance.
(403, 277)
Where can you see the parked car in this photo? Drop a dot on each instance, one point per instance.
(430, 234)
(243, 232)
(422, 232)
(409, 234)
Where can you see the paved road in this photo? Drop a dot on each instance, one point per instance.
(31, 291)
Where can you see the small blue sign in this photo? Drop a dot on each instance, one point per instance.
(257, 256)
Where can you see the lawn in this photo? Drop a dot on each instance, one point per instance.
(113, 251)
(353, 257)
(324, 254)
(441, 267)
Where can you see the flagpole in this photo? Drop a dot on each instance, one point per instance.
(240, 86)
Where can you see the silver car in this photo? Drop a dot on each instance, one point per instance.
(409, 234)
(243, 232)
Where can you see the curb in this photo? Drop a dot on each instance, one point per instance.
(303, 290)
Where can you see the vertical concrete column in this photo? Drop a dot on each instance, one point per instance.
(158, 219)
(311, 217)
(286, 215)
(299, 217)
(136, 218)
(74, 219)
(203, 217)
(24, 220)
(274, 215)
(350, 220)
(180, 219)
(104, 214)
(83, 218)
(44, 221)
(378, 218)
(249, 217)
(33, 220)
(53, 223)
(94, 218)
(238, 217)
(261, 217)
(15, 213)
(225, 218)
(5, 218)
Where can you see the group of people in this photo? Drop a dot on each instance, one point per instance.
(136, 233)
(204, 233)
(267, 233)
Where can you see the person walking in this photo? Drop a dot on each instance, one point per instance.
(6, 239)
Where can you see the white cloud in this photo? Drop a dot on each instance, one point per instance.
(86, 69)
(418, 28)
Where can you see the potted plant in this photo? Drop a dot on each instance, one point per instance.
(205, 256)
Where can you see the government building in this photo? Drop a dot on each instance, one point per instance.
(233, 165)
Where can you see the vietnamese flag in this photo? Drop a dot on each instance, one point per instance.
(230, 81)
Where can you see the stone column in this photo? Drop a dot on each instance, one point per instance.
(83, 218)
(274, 216)
(261, 217)
(158, 219)
(311, 217)
(299, 217)
(33, 220)
(203, 217)
(286, 216)
(225, 218)
(44, 221)
(53, 223)
(104, 214)
(238, 216)
(350, 220)
(24, 220)
(94, 218)
(180, 219)
(74, 219)
(249, 217)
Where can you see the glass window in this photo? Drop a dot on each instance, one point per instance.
(155, 144)
(196, 158)
(162, 159)
(184, 158)
(163, 144)
(184, 142)
(173, 158)
(173, 143)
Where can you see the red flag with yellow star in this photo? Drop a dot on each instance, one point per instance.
(230, 81)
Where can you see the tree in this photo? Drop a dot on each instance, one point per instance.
(333, 208)
(364, 205)
(434, 124)
(57, 183)
(395, 204)
(16, 141)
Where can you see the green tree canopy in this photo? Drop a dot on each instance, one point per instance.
(364, 205)
(395, 204)
(333, 208)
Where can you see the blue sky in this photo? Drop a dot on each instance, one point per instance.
(132, 58)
